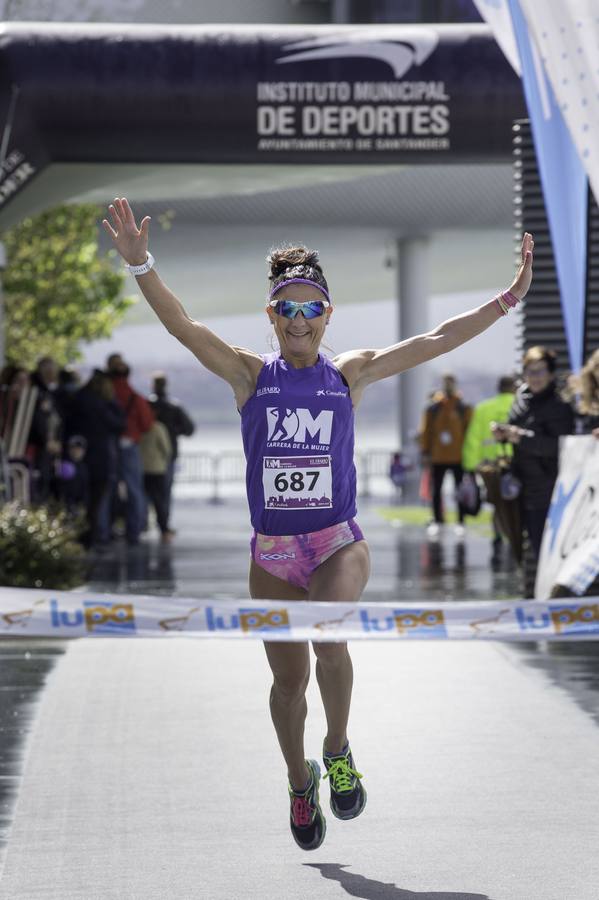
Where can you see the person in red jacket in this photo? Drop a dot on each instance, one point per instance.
(139, 418)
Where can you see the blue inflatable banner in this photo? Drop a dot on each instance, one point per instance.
(564, 183)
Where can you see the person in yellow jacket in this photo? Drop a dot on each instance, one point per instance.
(441, 441)
(479, 443)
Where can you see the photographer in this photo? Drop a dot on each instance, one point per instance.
(537, 419)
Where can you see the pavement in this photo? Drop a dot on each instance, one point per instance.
(151, 769)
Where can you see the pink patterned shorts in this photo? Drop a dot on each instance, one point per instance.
(293, 557)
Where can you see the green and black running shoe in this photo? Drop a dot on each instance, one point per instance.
(308, 825)
(348, 796)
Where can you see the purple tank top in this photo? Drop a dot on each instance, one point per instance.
(298, 438)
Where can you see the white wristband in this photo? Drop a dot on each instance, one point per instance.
(145, 267)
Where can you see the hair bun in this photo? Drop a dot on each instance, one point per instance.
(289, 257)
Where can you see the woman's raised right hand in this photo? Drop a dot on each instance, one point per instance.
(129, 240)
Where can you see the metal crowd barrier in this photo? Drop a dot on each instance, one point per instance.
(15, 425)
(217, 469)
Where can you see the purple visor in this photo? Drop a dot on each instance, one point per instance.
(300, 281)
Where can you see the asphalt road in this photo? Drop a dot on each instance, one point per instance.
(149, 769)
(153, 773)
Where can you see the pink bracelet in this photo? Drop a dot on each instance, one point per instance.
(510, 299)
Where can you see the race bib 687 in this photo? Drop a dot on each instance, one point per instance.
(297, 482)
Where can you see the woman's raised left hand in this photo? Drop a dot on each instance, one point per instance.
(521, 283)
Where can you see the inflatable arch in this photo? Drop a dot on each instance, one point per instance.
(120, 94)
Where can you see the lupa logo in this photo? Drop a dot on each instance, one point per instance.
(99, 618)
(247, 620)
(571, 618)
(414, 47)
(409, 623)
(298, 425)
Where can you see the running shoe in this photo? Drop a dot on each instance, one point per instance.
(308, 825)
(348, 796)
(433, 531)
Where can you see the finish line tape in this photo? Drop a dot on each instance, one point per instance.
(70, 614)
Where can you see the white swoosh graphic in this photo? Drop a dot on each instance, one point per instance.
(399, 55)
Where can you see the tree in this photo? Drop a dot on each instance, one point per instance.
(58, 291)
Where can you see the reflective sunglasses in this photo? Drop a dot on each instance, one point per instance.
(289, 308)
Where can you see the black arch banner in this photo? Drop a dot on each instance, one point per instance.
(242, 94)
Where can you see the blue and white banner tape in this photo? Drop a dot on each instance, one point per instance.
(570, 550)
(70, 614)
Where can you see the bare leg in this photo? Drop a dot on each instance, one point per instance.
(290, 665)
(335, 676)
(342, 577)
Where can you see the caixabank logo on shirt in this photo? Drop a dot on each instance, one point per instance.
(298, 428)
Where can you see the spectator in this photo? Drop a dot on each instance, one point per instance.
(72, 477)
(46, 373)
(588, 405)
(537, 419)
(139, 419)
(69, 383)
(398, 471)
(13, 375)
(156, 454)
(95, 416)
(479, 443)
(583, 393)
(177, 422)
(45, 437)
(441, 440)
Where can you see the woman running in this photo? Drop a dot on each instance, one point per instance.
(297, 421)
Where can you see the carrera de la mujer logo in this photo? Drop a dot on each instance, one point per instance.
(298, 425)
